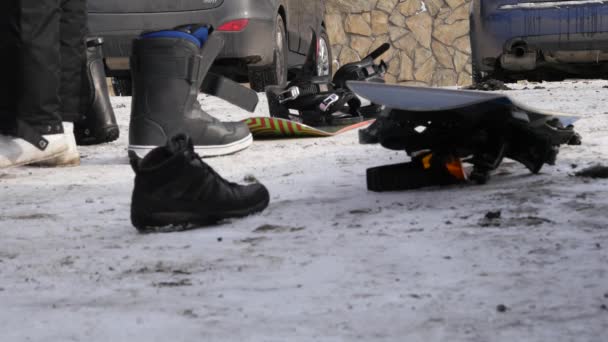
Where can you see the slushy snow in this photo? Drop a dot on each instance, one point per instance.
(328, 260)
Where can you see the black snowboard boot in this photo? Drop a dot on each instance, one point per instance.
(167, 73)
(176, 190)
(98, 122)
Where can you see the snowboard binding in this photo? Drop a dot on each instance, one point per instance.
(468, 127)
(425, 169)
(320, 101)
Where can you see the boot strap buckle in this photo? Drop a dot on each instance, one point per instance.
(32, 135)
(194, 68)
(291, 93)
(330, 100)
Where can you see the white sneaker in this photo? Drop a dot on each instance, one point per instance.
(69, 157)
(16, 151)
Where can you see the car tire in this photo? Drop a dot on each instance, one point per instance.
(324, 55)
(475, 73)
(477, 78)
(122, 86)
(275, 73)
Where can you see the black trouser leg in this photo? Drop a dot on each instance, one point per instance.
(51, 33)
(39, 29)
(9, 62)
(72, 34)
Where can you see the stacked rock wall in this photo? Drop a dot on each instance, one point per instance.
(429, 38)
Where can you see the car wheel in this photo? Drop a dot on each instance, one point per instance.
(276, 73)
(477, 78)
(476, 74)
(121, 86)
(324, 57)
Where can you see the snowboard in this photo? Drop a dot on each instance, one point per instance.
(478, 128)
(277, 128)
(421, 101)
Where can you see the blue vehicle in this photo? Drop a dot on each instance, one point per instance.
(539, 39)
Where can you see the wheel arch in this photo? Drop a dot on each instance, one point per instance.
(281, 11)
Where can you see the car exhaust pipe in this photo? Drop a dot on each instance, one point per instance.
(519, 51)
(518, 57)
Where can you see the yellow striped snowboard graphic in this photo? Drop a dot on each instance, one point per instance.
(267, 127)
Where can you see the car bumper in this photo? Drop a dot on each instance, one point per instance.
(253, 45)
(513, 36)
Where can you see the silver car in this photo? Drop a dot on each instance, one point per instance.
(263, 37)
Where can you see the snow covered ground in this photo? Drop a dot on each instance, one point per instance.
(328, 260)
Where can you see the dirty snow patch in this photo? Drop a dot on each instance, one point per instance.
(422, 7)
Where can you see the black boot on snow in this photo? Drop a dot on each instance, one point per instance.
(168, 68)
(176, 190)
(98, 123)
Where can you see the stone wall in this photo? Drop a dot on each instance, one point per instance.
(429, 38)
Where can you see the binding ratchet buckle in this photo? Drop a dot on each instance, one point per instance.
(291, 93)
(330, 100)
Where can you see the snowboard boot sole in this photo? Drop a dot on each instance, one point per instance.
(203, 151)
(168, 222)
(106, 135)
(39, 161)
(62, 160)
(21, 153)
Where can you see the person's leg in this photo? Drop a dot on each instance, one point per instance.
(9, 60)
(39, 103)
(37, 132)
(72, 31)
(73, 26)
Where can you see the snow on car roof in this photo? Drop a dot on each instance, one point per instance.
(551, 4)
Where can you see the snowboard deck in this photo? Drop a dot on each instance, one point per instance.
(428, 101)
(276, 128)
(482, 128)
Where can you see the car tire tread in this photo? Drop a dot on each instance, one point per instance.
(262, 76)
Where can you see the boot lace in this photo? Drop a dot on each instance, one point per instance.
(197, 160)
